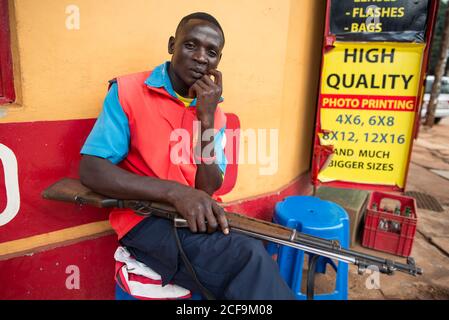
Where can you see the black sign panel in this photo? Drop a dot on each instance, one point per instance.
(379, 20)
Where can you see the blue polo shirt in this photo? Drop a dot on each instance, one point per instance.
(110, 137)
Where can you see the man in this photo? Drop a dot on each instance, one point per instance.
(130, 155)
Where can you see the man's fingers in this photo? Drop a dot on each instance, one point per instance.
(221, 217)
(193, 90)
(212, 223)
(208, 81)
(191, 221)
(201, 222)
(218, 77)
(200, 83)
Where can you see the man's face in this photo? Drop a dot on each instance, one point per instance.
(196, 50)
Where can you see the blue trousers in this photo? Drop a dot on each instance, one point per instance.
(231, 267)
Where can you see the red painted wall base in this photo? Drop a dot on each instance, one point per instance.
(52, 275)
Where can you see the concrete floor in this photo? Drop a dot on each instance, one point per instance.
(431, 244)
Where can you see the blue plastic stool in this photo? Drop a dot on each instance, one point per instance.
(319, 218)
(120, 294)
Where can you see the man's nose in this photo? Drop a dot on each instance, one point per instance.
(200, 56)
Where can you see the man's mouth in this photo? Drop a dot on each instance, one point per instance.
(196, 73)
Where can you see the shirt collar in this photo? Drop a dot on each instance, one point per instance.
(159, 78)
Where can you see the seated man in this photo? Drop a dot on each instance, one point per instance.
(133, 153)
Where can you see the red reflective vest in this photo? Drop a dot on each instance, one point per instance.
(152, 115)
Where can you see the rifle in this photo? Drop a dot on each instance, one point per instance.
(71, 190)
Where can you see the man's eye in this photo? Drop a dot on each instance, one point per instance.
(189, 45)
(212, 54)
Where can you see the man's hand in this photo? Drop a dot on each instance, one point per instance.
(208, 94)
(197, 207)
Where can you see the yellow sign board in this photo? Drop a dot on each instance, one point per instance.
(368, 104)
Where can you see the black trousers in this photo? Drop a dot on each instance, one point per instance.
(231, 267)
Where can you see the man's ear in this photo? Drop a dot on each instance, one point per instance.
(171, 45)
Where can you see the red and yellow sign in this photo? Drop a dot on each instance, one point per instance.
(368, 104)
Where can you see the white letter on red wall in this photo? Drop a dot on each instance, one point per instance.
(9, 161)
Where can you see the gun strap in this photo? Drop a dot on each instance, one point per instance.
(206, 293)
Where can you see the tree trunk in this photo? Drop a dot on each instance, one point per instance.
(439, 72)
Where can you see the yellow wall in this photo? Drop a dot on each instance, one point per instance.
(270, 65)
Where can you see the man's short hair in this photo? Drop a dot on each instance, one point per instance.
(200, 16)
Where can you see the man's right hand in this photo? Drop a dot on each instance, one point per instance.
(197, 207)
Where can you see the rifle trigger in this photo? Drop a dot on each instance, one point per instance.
(140, 207)
(142, 210)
